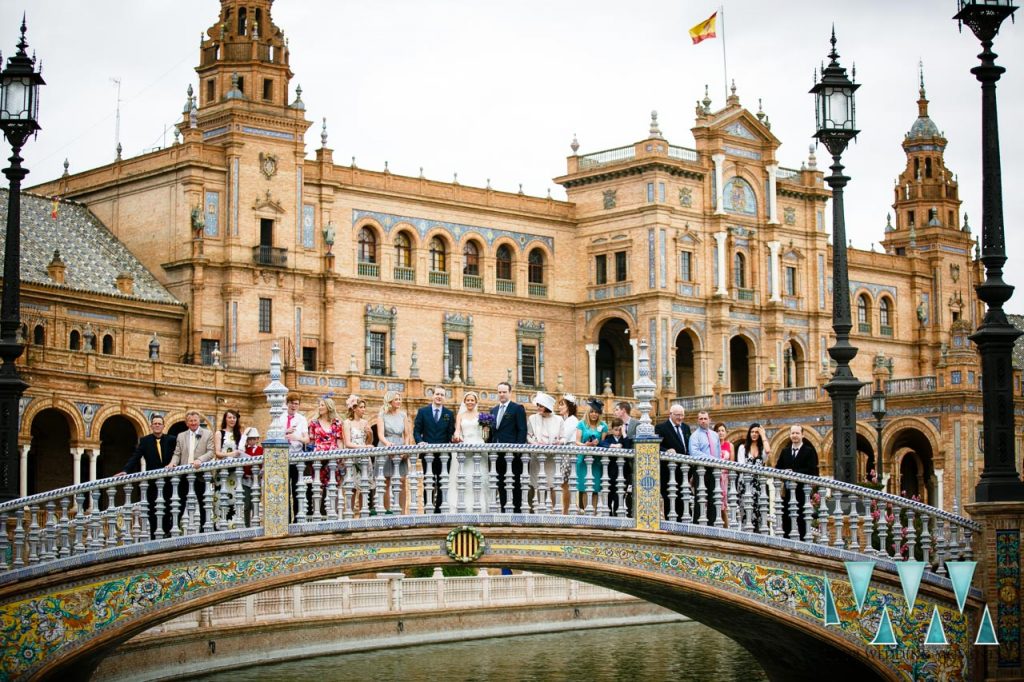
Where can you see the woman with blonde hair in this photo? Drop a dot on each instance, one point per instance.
(394, 428)
(469, 431)
(355, 433)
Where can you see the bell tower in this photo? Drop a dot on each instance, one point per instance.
(244, 56)
(926, 193)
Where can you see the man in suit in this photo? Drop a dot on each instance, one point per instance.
(675, 436)
(509, 427)
(800, 457)
(434, 423)
(704, 442)
(194, 446)
(155, 450)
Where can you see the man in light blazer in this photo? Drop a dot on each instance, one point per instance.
(194, 446)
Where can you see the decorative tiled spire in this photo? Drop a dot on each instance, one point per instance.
(575, 146)
(323, 134)
(655, 131)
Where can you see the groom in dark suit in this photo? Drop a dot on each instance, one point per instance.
(801, 458)
(434, 423)
(509, 427)
(156, 450)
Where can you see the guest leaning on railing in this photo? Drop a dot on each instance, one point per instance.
(589, 432)
(754, 450)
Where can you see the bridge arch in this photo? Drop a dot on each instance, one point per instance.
(740, 591)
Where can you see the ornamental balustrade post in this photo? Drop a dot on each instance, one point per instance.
(647, 447)
(275, 455)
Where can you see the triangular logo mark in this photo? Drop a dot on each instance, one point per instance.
(936, 636)
(910, 578)
(986, 633)
(885, 636)
(961, 573)
(831, 613)
(860, 577)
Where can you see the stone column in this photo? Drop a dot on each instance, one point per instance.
(939, 490)
(773, 202)
(723, 276)
(23, 478)
(997, 549)
(94, 455)
(592, 366)
(773, 250)
(719, 160)
(636, 360)
(76, 463)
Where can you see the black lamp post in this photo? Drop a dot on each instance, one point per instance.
(834, 113)
(19, 113)
(878, 410)
(995, 337)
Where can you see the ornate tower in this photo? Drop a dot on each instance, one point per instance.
(926, 193)
(244, 56)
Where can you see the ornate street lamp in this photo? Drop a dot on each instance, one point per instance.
(995, 337)
(834, 113)
(878, 410)
(19, 114)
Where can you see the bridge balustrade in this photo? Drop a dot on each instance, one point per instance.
(339, 490)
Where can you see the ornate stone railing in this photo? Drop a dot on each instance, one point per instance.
(682, 153)
(746, 398)
(606, 157)
(798, 394)
(695, 403)
(391, 593)
(340, 490)
(910, 385)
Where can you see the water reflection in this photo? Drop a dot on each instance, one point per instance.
(675, 651)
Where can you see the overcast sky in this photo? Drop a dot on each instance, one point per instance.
(497, 90)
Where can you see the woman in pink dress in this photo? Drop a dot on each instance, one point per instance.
(727, 455)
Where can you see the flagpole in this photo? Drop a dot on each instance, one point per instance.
(725, 68)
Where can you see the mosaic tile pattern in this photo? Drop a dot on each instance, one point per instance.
(37, 627)
(1008, 594)
(93, 255)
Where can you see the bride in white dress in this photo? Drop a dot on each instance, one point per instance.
(476, 467)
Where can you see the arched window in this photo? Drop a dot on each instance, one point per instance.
(39, 335)
(863, 313)
(535, 267)
(75, 340)
(471, 259)
(927, 168)
(885, 315)
(367, 245)
(438, 255)
(403, 251)
(739, 271)
(241, 22)
(108, 344)
(503, 262)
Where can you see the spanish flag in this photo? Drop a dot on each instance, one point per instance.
(704, 30)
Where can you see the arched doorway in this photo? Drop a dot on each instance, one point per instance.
(118, 439)
(793, 365)
(50, 465)
(615, 357)
(686, 376)
(739, 365)
(866, 457)
(914, 465)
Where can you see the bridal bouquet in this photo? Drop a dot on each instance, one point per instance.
(486, 421)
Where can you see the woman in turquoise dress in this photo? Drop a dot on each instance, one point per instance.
(589, 433)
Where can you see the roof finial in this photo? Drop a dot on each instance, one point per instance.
(188, 100)
(323, 134)
(732, 88)
(707, 100)
(298, 103)
(920, 70)
(812, 160)
(575, 146)
(66, 165)
(655, 131)
(760, 111)
(118, 151)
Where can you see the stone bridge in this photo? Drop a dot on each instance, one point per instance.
(765, 556)
(87, 567)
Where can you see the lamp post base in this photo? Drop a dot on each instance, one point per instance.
(11, 389)
(843, 391)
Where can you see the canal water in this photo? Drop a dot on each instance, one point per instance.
(645, 653)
